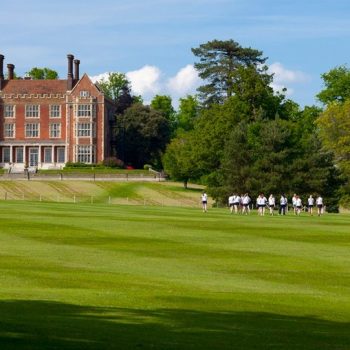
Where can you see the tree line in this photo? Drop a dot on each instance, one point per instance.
(237, 134)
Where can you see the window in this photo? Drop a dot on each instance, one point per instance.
(9, 111)
(84, 110)
(48, 155)
(60, 155)
(55, 111)
(85, 154)
(83, 129)
(6, 154)
(9, 130)
(55, 130)
(32, 130)
(32, 111)
(19, 154)
(84, 93)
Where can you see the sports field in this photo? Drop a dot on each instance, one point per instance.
(82, 276)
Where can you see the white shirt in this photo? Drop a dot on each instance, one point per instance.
(230, 199)
(298, 202)
(261, 200)
(310, 201)
(294, 200)
(271, 200)
(237, 199)
(319, 201)
(283, 200)
(204, 197)
(246, 200)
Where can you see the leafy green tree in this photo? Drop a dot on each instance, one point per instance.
(179, 159)
(163, 104)
(187, 113)
(337, 85)
(42, 73)
(219, 66)
(115, 85)
(144, 133)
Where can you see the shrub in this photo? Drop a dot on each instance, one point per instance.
(147, 166)
(113, 162)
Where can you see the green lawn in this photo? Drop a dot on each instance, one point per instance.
(82, 276)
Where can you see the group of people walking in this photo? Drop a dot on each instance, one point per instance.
(242, 204)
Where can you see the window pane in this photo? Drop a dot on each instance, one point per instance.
(47, 155)
(19, 155)
(6, 154)
(60, 155)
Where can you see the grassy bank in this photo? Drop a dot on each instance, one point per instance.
(139, 193)
(76, 276)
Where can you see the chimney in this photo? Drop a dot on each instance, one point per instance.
(76, 70)
(10, 69)
(2, 67)
(70, 72)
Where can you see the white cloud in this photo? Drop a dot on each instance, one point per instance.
(184, 82)
(145, 80)
(285, 78)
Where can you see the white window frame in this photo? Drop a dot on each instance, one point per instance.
(4, 153)
(83, 129)
(84, 93)
(48, 152)
(85, 154)
(55, 111)
(63, 152)
(9, 111)
(16, 154)
(32, 130)
(55, 130)
(9, 130)
(84, 110)
(32, 111)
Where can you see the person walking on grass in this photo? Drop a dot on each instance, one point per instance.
(319, 204)
(272, 203)
(261, 204)
(236, 202)
(245, 202)
(298, 205)
(283, 205)
(310, 204)
(230, 202)
(204, 198)
(294, 200)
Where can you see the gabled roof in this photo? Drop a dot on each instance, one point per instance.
(23, 86)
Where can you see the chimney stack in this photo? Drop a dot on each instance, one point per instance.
(2, 57)
(10, 69)
(76, 70)
(70, 72)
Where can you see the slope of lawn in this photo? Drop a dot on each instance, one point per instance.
(125, 192)
(82, 276)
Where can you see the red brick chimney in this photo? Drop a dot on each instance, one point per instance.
(70, 72)
(10, 70)
(2, 57)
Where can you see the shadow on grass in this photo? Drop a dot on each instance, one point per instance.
(48, 325)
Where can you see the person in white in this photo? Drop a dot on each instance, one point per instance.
(319, 204)
(230, 202)
(310, 204)
(283, 205)
(246, 201)
(261, 204)
(236, 203)
(298, 205)
(294, 199)
(204, 198)
(272, 203)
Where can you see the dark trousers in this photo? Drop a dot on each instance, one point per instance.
(282, 210)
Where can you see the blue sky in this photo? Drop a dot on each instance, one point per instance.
(151, 40)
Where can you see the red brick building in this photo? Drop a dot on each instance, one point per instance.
(47, 123)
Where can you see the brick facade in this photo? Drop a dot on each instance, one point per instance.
(47, 123)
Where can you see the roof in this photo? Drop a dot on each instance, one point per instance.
(24, 86)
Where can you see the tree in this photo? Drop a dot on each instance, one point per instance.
(42, 73)
(179, 160)
(115, 85)
(163, 104)
(145, 134)
(218, 66)
(337, 85)
(188, 112)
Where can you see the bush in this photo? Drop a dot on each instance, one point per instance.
(113, 162)
(78, 165)
(147, 167)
